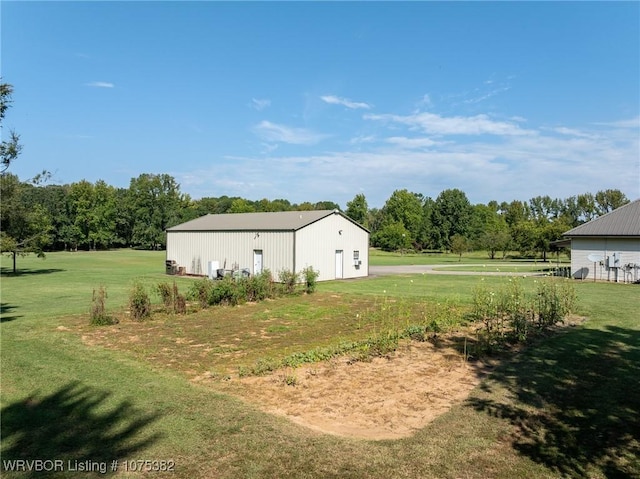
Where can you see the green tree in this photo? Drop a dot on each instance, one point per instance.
(53, 198)
(489, 230)
(425, 237)
(544, 208)
(81, 204)
(326, 205)
(358, 210)
(586, 207)
(515, 212)
(102, 231)
(24, 228)
(240, 205)
(156, 204)
(548, 233)
(405, 208)
(450, 215)
(459, 245)
(525, 237)
(9, 149)
(392, 237)
(125, 218)
(609, 200)
(304, 206)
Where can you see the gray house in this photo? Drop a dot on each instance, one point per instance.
(327, 240)
(608, 247)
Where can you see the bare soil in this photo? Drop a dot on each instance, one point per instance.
(387, 398)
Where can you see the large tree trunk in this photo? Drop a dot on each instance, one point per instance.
(15, 253)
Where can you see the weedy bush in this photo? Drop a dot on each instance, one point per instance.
(441, 317)
(509, 314)
(289, 279)
(179, 301)
(233, 291)
(259, 287)
(99, 316)
(200, 291)
(139, 302)
(556, 299)
(226, 291)
(310, 279)
(165, 292)
(172, 300)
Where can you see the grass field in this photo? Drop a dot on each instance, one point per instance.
(567, 407)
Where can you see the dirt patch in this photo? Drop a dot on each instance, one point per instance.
(386, 398)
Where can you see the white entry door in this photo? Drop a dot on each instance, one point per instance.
(339, 264)
(257, 261)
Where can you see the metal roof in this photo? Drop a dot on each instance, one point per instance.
(623, 221)
(276, 221)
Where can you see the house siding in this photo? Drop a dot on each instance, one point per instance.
(194, 249)
(317, 243)
(583, 268)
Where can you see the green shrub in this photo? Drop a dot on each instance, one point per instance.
(556, 299)
(99, 316)
(225, 291)
(200, 291)
(259, 287)
(139, 302)
(289, 279)
(508, 314)
(310, 279)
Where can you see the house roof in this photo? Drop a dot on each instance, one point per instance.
(623, 221)
(276, 221)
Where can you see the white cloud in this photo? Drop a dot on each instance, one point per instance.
(411, 143)
(492, 160)
(434, 124)
(517, 167)
(573, 132)
(336, 100)
(100, 84)
(260, 103)
(362, 139)
(285, 134)
(630, 123)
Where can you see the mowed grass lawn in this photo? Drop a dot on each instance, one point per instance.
(568, 406)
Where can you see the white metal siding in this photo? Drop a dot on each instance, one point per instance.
(193, 249)
(317, 243)
(582, 267)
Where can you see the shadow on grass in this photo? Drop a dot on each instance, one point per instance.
(574, 402)
(73, 425)
(7, 308)
(28, 272)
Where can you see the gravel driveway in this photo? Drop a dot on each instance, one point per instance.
(431, 269)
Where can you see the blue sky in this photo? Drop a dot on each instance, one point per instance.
(322, 101)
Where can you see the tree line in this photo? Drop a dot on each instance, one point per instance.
(88, 216)
(450, 222)
(85, 215)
